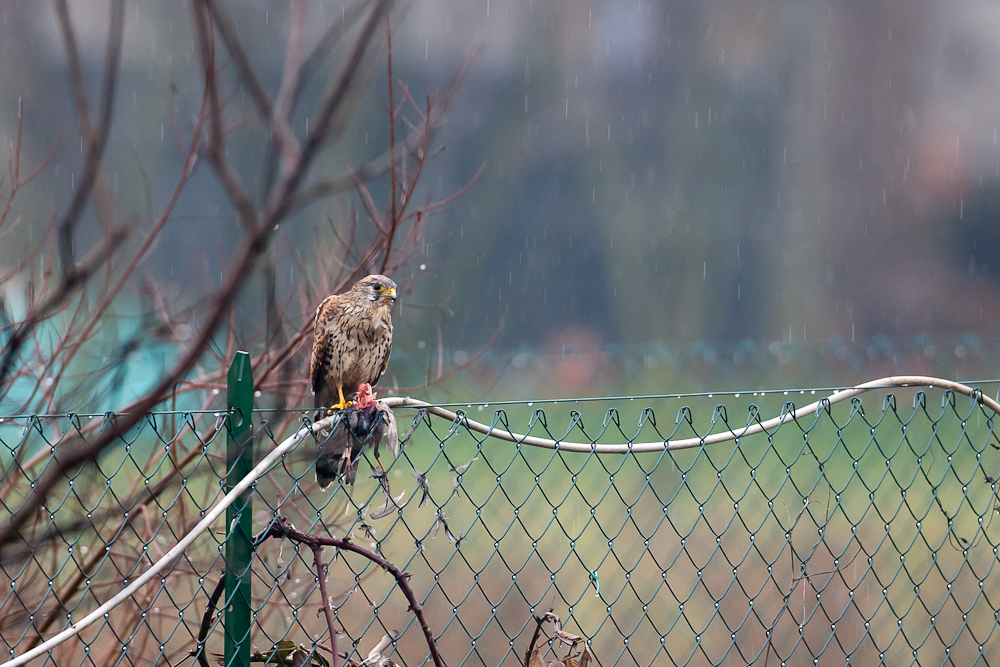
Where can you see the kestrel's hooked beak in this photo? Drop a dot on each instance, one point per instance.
(391, 294)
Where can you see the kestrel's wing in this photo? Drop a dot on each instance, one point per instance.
(385, 360)
(321, 338)
(384, 348)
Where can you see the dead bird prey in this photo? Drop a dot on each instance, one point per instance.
(364, 423)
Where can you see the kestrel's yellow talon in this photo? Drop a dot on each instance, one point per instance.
(342, 403)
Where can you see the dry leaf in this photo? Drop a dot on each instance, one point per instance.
(535, 660)
(568, 637)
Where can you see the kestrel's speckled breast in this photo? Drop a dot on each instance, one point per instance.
(358, 351)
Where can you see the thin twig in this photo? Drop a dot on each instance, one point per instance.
(67, 289)
(216, 153)
(534, 637)
(14, 169)
(73, 275)
(393, 167)
(97, 139)
(287, 144)
(284, 196)
(227, 30)
(321, 573)
(281, 527)
(206, 620)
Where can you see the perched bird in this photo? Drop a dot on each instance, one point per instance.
(365, 422)
(352, 339)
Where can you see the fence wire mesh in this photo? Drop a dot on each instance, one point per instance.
(863, 534)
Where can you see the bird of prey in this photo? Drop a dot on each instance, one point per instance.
(364, 424)
(352, 338)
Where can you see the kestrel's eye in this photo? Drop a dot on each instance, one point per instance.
(378, 288)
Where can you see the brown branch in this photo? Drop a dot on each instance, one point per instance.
(206, 621)
(67, 289)
(29, 256)
(363, 174)
(274, 116)
(534, 638)
(455, 195)
(107, 298)
(457, 369)
(79, 453)
(321, 573)
(393, 167)
(287, 144)
(96, 140)
(285, 353)
(416, 138)
(227, 30)
(284, 197)
(350, 15)
(216, 153)
(281, 527)
(421, 156)
(76, 276)
(89, 565)
(14, 168)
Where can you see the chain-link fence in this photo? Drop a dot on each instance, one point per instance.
(861, 534)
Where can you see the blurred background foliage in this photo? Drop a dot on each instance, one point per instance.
(676, 195)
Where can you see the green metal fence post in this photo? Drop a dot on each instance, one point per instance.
(239, 461)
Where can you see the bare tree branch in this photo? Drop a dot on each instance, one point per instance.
(281, 527)
(96, 139)
(442, 100)
(78, 453)
(67, 289)
(289, 81)
(245, 71)
(216, 154)
(284, 195)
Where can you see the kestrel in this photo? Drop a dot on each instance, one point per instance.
(352, 339)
